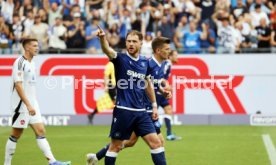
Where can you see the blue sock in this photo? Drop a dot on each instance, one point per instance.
(168, 125)
(158, 156)
(102, 152)
(110, 158)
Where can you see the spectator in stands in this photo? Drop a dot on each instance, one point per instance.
(264, 36)
(257, 15)
(113, 36)
(192, 39)
(28, 23)
(26, 8)
(17, 30)
(166, 27)
(43, 15)
(209, 44)
(93, 45)
(227, 40)
(39, 31)
(54, 12)
(4, 36)
(182, 28)
(239, 10)
(76, 34)
(146, 48)
(263, 7)
(273, 17)
(207, 9)
(273, 40)
(7, 10)
(136, 23)
(57, 36)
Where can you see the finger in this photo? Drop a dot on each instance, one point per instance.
(100, 28)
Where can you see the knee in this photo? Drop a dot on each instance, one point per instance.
(155, 144)
(41, 132)
(130, 143)
(115, 147)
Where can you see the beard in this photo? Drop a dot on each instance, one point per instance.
(132, 51)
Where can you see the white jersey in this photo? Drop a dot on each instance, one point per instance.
(24, 71)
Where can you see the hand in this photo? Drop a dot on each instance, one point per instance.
(101, 33)
(31, 110)
(167, 94)
(154, 113)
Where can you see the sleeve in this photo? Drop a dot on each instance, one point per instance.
(116, 59)
(17, 71)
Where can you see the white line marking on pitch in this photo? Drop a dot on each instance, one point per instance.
(270, 148)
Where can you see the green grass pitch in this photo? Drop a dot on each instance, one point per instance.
(201, 145)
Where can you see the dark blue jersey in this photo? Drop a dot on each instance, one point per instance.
(156, 72)
(130, 74)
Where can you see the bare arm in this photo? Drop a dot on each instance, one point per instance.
(21, 93)
(105, 45)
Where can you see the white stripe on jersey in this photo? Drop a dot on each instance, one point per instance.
(130, 109)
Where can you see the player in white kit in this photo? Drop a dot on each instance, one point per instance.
(25, 106)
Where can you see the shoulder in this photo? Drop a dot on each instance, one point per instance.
(18, 63)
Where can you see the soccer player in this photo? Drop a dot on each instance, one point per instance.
(129, 115)
(161, 49)
(163, 102)
(25, 105)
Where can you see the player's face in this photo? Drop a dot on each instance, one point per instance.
(32, 48)
(133, 44)
(164, 51)
(174, 58)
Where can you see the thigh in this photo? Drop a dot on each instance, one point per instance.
(20, 120)
(144, 125)
(168, 109)
(122, 124)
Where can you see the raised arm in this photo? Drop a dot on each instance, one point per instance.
(105, 45)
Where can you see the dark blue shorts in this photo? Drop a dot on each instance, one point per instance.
(161, 101)
(125, 122)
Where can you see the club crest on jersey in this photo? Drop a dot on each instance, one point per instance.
(143, 64)
(22, 122)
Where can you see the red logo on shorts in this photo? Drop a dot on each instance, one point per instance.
(22, 122)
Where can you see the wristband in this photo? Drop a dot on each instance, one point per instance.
(154, 104)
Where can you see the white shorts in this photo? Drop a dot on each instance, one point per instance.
(23, 119)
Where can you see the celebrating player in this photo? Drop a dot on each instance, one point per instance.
(129, 115)
(161, 49)
(25, 105)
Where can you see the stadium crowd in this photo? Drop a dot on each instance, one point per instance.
(194, 26)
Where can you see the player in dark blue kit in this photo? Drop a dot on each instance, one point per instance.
(129, 115)
(161, 49)
(162, 101)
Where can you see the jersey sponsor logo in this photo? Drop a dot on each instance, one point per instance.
(192, 68)
(136, 74)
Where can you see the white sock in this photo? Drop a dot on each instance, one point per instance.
(10, 150)
(45, 148)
